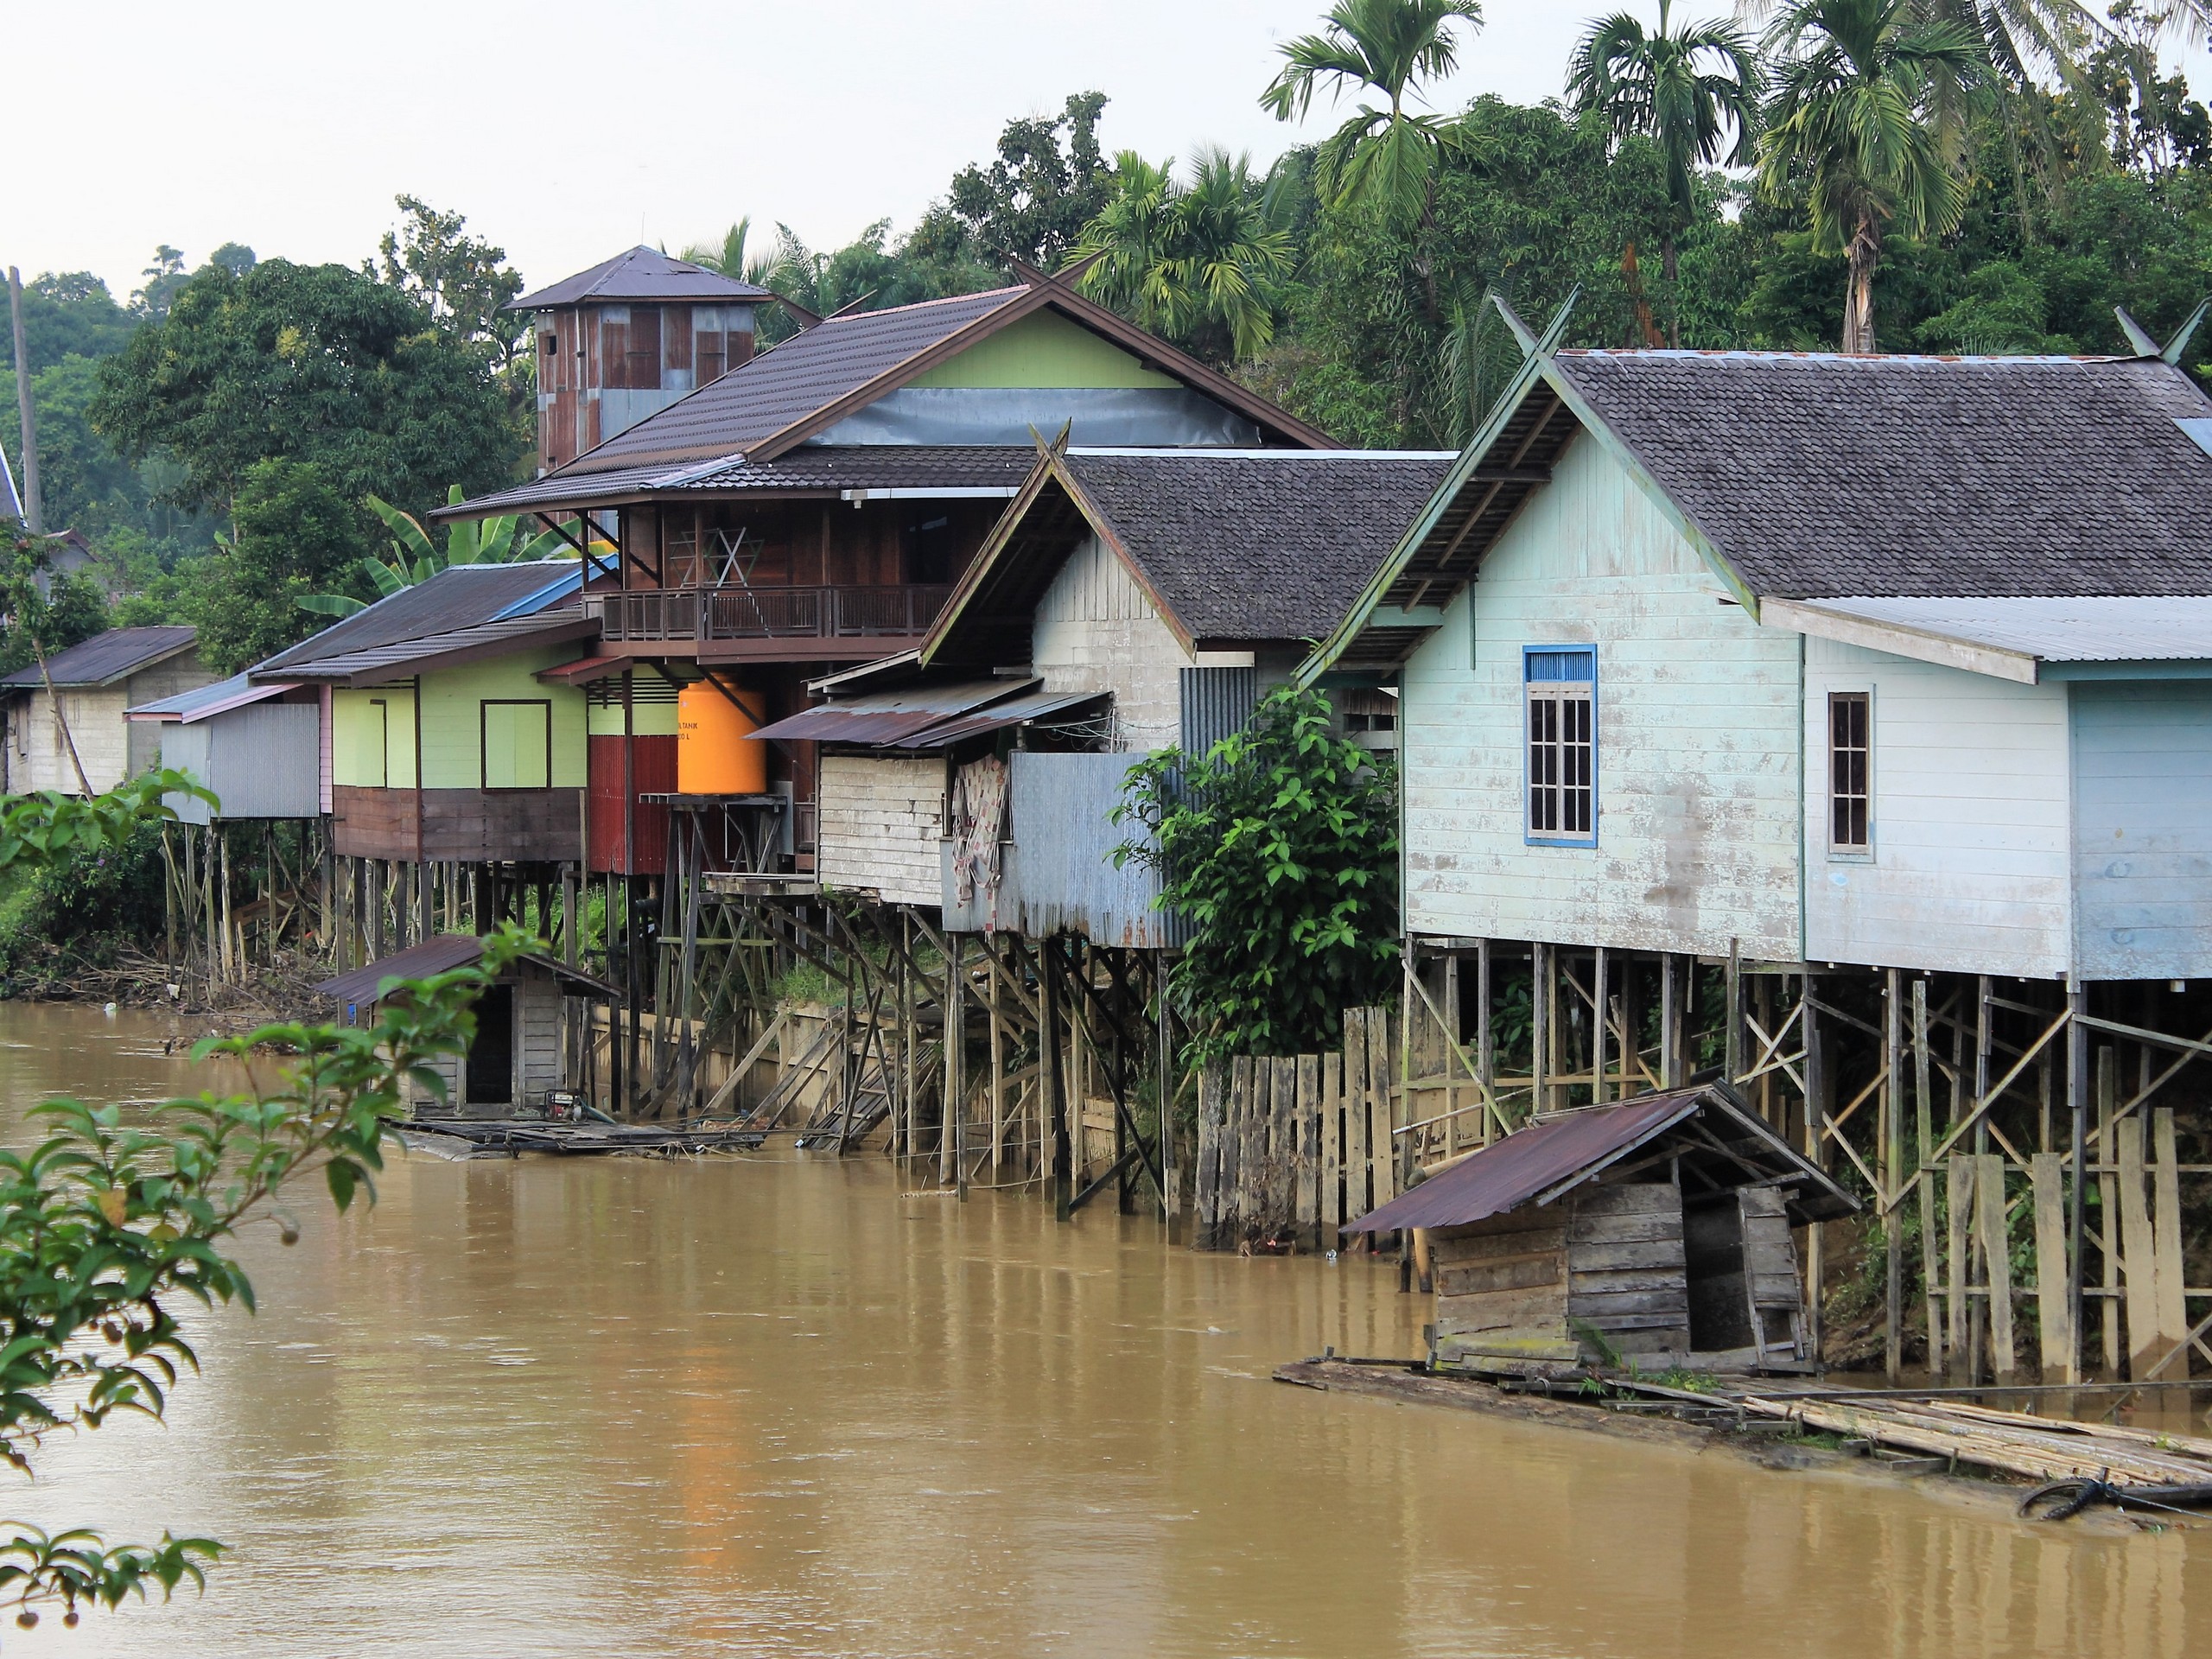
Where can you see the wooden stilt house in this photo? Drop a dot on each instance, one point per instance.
(1656, 1231)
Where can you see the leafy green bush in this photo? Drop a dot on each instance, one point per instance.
(1281, 845)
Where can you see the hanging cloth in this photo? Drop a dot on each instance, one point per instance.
(979, 797)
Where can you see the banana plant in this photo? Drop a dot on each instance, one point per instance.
(416, 558)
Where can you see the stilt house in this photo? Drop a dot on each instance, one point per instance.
(1657, 1230)
(444, 741)
(72, 713)
(1880, 685)
(811, 509)
(1128, 601)
(258, 746)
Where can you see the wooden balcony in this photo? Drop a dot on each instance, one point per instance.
(766, 623)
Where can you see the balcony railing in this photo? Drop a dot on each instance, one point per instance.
(706, 614)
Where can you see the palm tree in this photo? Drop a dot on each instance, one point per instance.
(1196, 263)
(1381, 158)
(1867, 119)
(416, 558)
(727, 258)
(1684, 89)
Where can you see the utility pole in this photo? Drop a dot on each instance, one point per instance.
(34, 514)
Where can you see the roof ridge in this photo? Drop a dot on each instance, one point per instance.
(1767, 354)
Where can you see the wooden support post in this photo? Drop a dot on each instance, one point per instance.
(998, 1064)
(1389, 1096)
(2166, 1258)
(1628, 1029)
(1732, 1039)
(2054, 1281)
(1670, 1041)
(1958, 1194)
(1892, 1168)
(1453, 1068)
(1357, 1203)
(1173, 1202)
(1211, 1113)
(570, 947)
(1984, 1037)
(1816, 1147)
(1059, 1185)
(2139, 1251)
(2108, 1210)
(1931, 1269)
(1989, 1195)
(1600, 1000)
(1540, 1029)
(1485, 1042)
(955, 1056)
(2077, 1189)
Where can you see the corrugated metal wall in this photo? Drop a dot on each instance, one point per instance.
(264, 760)
(1218, 703)
(1058, 875)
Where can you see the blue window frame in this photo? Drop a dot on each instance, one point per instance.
(1560, 698)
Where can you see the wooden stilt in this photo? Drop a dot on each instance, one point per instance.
(1485, 1041)
(1816, 1084)
(1542, 1039)
(1924, 1148)
(2108, 1210)
(1892, 1167)
(1060, 1184)
(1600, 1001)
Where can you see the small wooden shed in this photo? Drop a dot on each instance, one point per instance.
(521, 1047)
(1658, 1228)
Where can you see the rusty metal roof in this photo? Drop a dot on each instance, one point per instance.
(1022, 711)
(438, 955)
(890, 716)
(1544, 1160)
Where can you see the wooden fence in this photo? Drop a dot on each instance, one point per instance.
(1290, 1148)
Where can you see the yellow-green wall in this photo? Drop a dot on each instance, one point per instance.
(1043, 349)
(452, 725)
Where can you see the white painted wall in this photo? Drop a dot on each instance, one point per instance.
(1095, 631)
(1697, 732)
(881, 822)
(1969, 872)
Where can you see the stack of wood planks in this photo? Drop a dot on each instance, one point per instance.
(1290, 1148)
(2011, 1442)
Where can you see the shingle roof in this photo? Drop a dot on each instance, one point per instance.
(461, 597)
(641, 273)
(106, 658)
(823, 469)
(1258, 546)
(1821, 475)
(802, 376)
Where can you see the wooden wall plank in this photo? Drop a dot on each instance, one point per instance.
(1308, 1135)
(1332, 1150)
(2167, 1269)
(1356, 1114)
(2138, 1253)
(1989, 1195)
(2054, 1314)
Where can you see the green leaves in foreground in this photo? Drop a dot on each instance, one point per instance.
(106, 1224)
(1281, 845)
(50, 826)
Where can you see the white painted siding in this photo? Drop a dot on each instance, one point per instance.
(881, 822)
(1969, 820)
(1096, 631)
(2143, 836)
(1697, 737)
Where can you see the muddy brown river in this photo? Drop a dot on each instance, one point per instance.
(771, 1405)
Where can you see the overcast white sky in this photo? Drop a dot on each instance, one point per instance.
(568, 131)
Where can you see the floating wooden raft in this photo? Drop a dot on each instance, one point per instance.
(500, 1135)
(2012, 1442)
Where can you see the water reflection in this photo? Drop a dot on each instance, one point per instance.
(759, 1406)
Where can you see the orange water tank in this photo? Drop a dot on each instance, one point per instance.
(716, 750)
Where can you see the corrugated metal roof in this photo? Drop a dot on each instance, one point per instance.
(891, 715)
(106, 658)
(813, 470)
(187, 707)
(376, 663)
(439, 955)
(1529, 1161)
(1022, 711)
(460, 597)
(2168, 628)
(802, 376)
(1560, 1151)
(641, 273)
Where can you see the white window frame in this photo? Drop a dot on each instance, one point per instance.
(1559, 745)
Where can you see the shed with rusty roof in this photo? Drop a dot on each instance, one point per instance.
(1656, 1229)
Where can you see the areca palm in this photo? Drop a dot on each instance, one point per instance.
(1866, 119)
(1383, 157)
(1686, 89)
(1198, 263)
